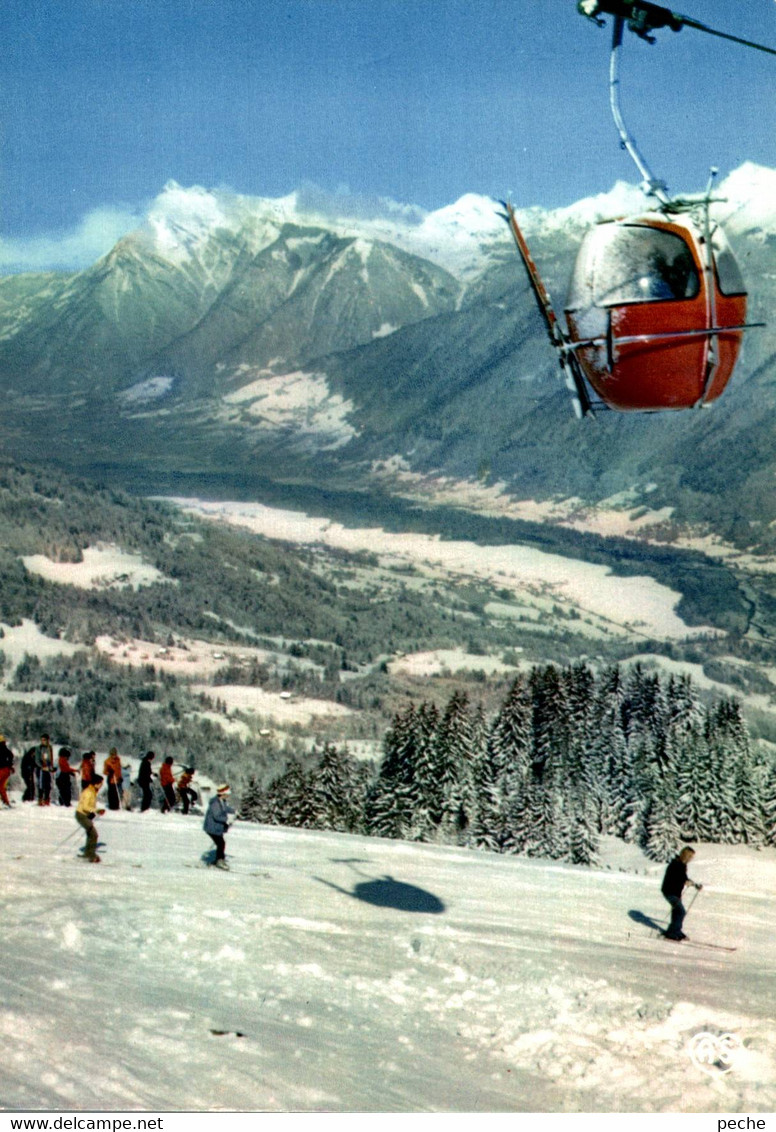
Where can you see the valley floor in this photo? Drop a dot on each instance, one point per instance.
(335, 973)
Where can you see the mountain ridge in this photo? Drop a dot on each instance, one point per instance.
(417, 331)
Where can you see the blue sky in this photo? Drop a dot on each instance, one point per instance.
(103, 101)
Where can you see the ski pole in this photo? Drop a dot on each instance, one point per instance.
(691, 901)
(69, 837)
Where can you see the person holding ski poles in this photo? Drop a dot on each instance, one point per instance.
(113, 771)
(44, 769)
(167, 783)
(674, 882)
(187, 795)
(85, 813)
(217, 823)
(144, 778)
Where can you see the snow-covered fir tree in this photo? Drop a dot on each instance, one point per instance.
(389, 801)
(567, 756)
(455, 760)
(609, 749)
(338, 792)
(502, 769)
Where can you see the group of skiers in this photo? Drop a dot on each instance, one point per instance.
(39, 769)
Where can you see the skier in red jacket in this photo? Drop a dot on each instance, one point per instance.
(65, 776)
(6, 769)
(167, 783)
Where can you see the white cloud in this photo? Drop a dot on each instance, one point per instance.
(71, 249)
(345, 205)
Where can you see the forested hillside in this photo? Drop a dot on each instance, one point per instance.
(532, 738)
(569, 756)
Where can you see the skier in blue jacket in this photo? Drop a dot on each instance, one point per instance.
(217, 823)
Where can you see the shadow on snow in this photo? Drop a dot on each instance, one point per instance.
(641, 918)
(385, 892)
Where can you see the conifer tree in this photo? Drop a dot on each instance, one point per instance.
(661, 831)
(531, 836)
(253, 802)
(748, 826)
(769, 805)
(551, 726)
(686, 745)
(580, 696)
(501, 769)
(426, 802)
(725, 733)
(290, 798)
(583, 840)
(389, 802)
(455, 759)
(609, 747)
(338, 797)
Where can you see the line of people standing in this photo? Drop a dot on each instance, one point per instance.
(185, 791)
(40, 769)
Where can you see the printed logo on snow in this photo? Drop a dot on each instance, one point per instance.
(714, 1053)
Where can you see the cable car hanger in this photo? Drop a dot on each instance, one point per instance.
(665, 332)
(644, 18)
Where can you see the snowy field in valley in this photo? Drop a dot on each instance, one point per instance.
(626, 604)
(101, 567)
(335, 973)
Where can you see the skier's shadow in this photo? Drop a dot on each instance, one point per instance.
(641, 918)
(385, 892)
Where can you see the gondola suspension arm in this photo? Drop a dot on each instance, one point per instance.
(643, 18)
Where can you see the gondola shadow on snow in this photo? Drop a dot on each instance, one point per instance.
(386, 892)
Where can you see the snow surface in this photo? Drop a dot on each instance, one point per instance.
(101, 567)
(299, 401)
(336, 973)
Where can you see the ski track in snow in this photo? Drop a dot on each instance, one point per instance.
(335, 973)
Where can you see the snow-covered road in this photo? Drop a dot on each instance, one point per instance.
(336, 973)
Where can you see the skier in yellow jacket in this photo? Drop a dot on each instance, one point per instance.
(85, 813)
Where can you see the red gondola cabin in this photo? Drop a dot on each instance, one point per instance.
(657, 320)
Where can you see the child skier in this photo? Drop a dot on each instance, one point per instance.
(85, 813)
(187, 795)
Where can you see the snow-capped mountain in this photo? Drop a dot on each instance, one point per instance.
(249, 333)
(749, 205)
(459, 237)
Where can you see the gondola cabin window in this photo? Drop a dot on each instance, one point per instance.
(729, 278)
(632, 264)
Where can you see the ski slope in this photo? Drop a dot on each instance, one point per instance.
(335, 973)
